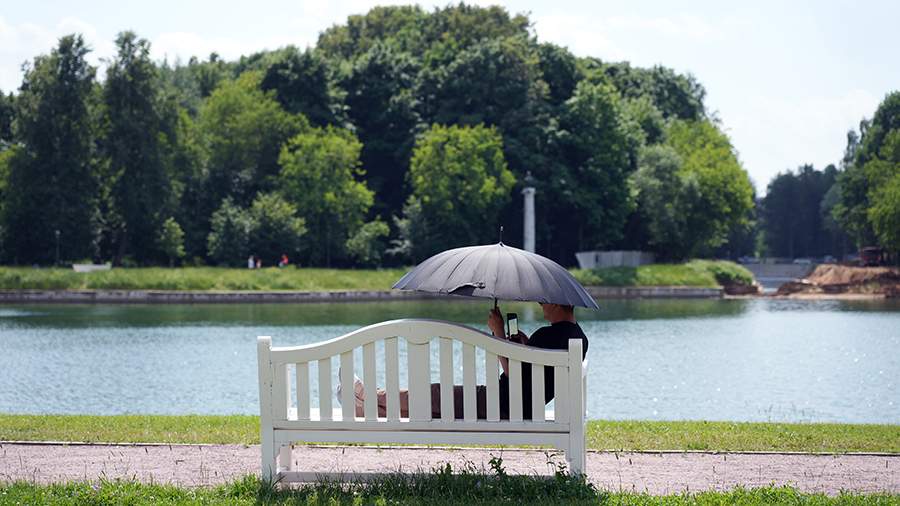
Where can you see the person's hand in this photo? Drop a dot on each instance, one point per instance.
(495, 323)
(520, 338)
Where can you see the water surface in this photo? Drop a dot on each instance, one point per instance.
(740, 360)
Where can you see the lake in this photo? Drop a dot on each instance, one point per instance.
(738, 360)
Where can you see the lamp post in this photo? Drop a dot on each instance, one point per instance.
(528, 228)
(56, 233)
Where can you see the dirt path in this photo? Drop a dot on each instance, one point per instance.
(656, 473)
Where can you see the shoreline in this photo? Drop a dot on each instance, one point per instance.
(30, 296)
(290, 296)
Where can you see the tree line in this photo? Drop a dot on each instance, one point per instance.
(402, 132)
(837, 210)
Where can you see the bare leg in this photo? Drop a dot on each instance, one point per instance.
(404, 403)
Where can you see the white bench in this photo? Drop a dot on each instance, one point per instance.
(283, 422)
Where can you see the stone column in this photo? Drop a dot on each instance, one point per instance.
(528, 228)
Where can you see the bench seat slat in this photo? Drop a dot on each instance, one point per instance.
(470, 403)
(491, 373)
(537, 393)
(419, 369)
(392, 377)
(369, 375)
(446, 350)
(515, 391)
(302, 391)
(348, 391)
(483, 437)
(325, 387)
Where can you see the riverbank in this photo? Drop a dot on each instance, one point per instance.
(600, 434)
(695, 279)
(287, 296)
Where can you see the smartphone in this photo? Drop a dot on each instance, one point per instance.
(512, 324)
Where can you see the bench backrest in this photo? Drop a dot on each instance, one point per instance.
(275, 389)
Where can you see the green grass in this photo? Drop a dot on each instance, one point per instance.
(200, 278)
(696, 273)
(440, 487)
(601, 435)
(700, 273)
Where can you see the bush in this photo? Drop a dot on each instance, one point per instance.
(229, 241)
(275, 228)
(366, 246)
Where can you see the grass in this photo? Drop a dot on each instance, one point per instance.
(441, 487)
(200, 278)
(696, 273)
(601, 435)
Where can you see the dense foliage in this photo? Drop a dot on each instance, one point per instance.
(402, 132)
(811, 213)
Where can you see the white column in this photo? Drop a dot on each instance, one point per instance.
(529, 219)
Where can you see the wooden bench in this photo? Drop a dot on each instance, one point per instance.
(283, 421)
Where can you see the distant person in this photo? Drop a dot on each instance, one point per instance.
(258, 262)
(251, 263)
(284, 260)
(554, 337)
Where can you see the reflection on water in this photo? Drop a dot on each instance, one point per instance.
(742, 360)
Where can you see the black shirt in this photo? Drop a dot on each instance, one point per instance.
(552, 337)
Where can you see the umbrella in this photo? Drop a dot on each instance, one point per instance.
(497, 271)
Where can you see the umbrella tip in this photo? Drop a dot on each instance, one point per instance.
(501, 234)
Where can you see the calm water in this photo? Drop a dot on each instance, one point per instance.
(746, 360)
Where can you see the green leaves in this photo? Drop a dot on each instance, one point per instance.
(868, 206)
(460, 178)
(725, 192)
(54, 184)
(318, 175)
(171, 240)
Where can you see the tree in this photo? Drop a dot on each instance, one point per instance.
(559, 69)
(667, 199)
(366, 246)
(460, 179)
(873, 162)
(244, 129)
(171, 240)
(229, 238)
(319, 171)
(726, 194)
(141, 185)
(495, 82)
(675, 95)
(275, 227)
(52, 182)
(792, 213)
(382, 106)
(587, 196)
(7, 113)
(303, 84)
(883, 174)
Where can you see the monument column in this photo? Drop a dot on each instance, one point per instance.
(528, 227)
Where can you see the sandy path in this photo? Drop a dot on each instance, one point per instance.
(657, 473)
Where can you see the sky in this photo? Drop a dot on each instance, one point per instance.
(787, 80)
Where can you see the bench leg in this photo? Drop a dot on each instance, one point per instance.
(284, 458)
(267, 448)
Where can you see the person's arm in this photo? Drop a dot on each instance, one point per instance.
(495, 323)
(520, 338)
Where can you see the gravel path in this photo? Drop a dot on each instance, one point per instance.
(656, 473)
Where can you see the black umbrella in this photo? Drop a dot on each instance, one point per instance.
(497, 271)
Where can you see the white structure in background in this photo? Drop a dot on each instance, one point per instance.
(528, 227)
(592, 259)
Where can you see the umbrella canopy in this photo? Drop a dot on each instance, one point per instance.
(497, 271)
